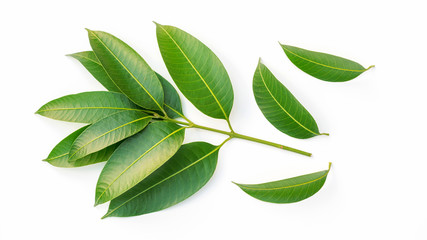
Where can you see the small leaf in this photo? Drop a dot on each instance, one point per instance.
(324, 66)
(58, 157)
(197, 71)
(91, 63)
(288, 190)
(179, 178)
(172, 104)
(128, 70)
(280, 107)
(136, 158)
(87, 107)
(108, 131)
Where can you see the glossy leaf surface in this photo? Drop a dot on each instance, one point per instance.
(179, 178)
(92, 64)
(87, 107)
(108, 131)
(323, 66)
(288, 190)
(172, 102)
(128, 70)
(280, 107)
(58, 157)
(197, 71)
(137, 157)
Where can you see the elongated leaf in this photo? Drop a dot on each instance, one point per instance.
(91, 63)
(280, 107)
(128, 70)
(197, 71)
(87, 107)
(136, 158)
(58, 157)
(288, 190)
(172, 104)
(108, 131)
(324, 66)
(179, 178)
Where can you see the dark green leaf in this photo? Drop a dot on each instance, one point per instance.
(197, 71)
(324, 66)
(172, 104)
(128, 70)
(108, 131)
(136, 158)
(92, 64)
(87, 107)
(179, 178)
(280, 107)
(288, 190)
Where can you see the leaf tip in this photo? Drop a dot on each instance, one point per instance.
(372, 66)
(106, 215)
(329, 167)
(157, 24)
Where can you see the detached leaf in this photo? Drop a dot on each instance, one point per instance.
(128, 70)
(197, 71)
(87, 107)
(324, 66)
(280, 107)
(288, 190)
(58, 157)
(108, 131)
(172, 104)
(92, 64)
(136, 158)
(179, 178)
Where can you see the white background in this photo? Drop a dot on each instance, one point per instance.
(377, 185)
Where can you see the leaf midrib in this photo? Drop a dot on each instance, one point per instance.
(81, 108)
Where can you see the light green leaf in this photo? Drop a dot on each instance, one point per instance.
(280, 107)
(108, 131)
(179, 178)
(128, 70)
(324, 66)
(288, 190)
(136, 158)
(172, 104)
(92, 64)
(58, 157)
(87, 107)
(197, 71)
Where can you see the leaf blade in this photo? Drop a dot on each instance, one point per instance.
(172, 103)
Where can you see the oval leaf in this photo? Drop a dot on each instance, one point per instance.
(172, 104)
(288, 190)
(324, 66)
(108, 131)
(280, 107)
(58, 157)
(197, 71)
(91, 63)
(128, 70)
(136, 158)
(179, 178)
(87, 107)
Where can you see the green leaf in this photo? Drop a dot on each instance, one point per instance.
(197, 71)
(108, 131)
(92, 64)
(324, 66)
(58, 157)
(87, 107)
(288, 190)
(280, 107)
(136, 158)
(179, 178)
(128, 70)
(172, 104)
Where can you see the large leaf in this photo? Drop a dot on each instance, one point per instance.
(128, 70)
(172, 104)
(322, 65)
(280, 107)
(87, 107)
(58, 157)
(91, 63)
(108, 131)
(288, 190)
(197, 71)
(136, 158)
(179, 178)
